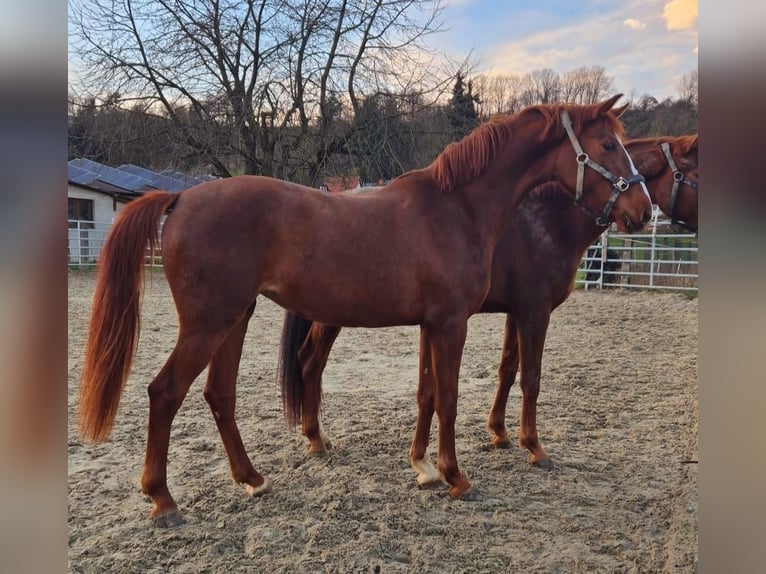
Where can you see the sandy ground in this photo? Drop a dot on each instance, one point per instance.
(617, 413)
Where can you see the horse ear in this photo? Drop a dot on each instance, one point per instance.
(687, 144)
(603, 107)
(693, 143)
(617, 112)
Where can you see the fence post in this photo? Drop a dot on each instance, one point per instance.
(652, 255)
(604, 250)
(79, 245)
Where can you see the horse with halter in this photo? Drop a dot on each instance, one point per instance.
(656, 158)
(416, 252)
(533, 272)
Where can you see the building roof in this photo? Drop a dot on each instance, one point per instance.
(128, 179)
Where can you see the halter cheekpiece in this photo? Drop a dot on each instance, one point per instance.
(678, 179)
(619, 184)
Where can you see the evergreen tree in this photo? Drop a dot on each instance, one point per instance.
(462, 112)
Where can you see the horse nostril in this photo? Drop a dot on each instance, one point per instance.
(647, 215)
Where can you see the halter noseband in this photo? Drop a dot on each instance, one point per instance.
(619, 184)
(678, 179)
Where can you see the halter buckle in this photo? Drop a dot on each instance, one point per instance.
(582, 157)
(603, 220)
(621, 184)
(678, 176)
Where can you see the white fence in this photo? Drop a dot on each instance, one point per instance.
(658, 258)
(85, 241)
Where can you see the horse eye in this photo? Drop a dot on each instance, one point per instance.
(610, 147)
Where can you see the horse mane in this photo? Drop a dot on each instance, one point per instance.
(685, 144)
(463, 161)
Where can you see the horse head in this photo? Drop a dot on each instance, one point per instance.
(670, 166)
(591, 162)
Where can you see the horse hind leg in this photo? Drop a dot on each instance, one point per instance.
(220, 394)
(166, 393)
(313, 357)
(509, 365)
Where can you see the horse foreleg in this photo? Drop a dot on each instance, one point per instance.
(509, 365)
(166, 393)
(446, 343)
(532, 333)
(428, 476)
(220, 393)
(313, 357)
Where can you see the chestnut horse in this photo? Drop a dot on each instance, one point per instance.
(533, 272)
(659, 157)
(416, 252)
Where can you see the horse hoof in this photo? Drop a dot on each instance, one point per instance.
(501, 443)
(259, 490)
(315, 452)
(544, 463)
(169, 519)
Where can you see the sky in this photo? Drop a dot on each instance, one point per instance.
(646, 46)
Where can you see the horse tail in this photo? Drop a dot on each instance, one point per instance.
(116, 319)
(295, 329)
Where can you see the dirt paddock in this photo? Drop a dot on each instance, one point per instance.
(617, 413)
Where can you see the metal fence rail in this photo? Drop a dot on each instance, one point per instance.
(85, 241)
(86, 238)
(662, 257)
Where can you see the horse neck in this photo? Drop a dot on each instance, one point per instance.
(508, 179)
(569, 226)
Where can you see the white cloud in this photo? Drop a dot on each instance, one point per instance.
(648, 62)
(681, 14)
(550, 49)
(634, 24)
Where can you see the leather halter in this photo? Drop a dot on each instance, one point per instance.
(619, 184)
(678, 178)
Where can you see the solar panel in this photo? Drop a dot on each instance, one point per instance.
(88, 164)
(79, 175)
(132, 177)
(157, 180)
(187, 180)
(113, 176)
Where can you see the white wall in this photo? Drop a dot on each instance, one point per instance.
(103, 204)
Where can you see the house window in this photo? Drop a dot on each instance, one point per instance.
(80, 209)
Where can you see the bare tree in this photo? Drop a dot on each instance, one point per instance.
(277, 78)
(585, 85)
(499, 94)
(688, 86)
(540, 87)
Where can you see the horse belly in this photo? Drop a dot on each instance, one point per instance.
(346, 303)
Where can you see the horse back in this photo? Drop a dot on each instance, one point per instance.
(369, 260)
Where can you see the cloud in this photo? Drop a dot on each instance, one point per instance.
(634, 24)
(635, 58)
(681, 14)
